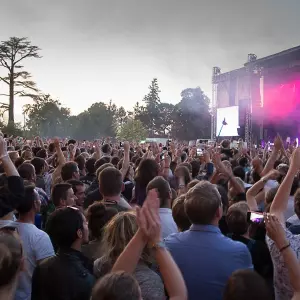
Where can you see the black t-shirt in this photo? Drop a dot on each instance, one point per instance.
(11, 195)
(260, 254)
(88, 179)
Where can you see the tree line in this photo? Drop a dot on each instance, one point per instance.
(187, 120)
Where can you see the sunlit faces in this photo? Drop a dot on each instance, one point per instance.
(71, 198)
(80, 195)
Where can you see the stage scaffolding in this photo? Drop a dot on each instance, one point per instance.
(214, 104)
(218, 78)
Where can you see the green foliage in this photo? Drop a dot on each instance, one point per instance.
(19, 82)
(150, 114)
(46, 117)
(14, 129)
(192, 117)
(95, 122)
(132, 130)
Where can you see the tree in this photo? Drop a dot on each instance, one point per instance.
(165, 118)
(12, 53)
(95, 122)
(192, 116)
(46, 117)
(121, 117)
(132, 130)
(150, 114)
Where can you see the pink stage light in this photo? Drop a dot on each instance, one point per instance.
(282, 101)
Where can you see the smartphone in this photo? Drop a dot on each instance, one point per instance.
(255, 217)
(199, 152)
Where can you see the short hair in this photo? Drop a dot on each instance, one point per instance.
(19, 161)
(179, 215)
(106, 149)
(237, 218)
(246, 285)
(117, 286)
(115, 160)
(71, 141)
(192, 184)
(98, 215)
(239, 172)
(74, 183)
(195, 168)
(26, 171)
(102, 161)
(110, 181)
(202, 202)
(62, 226)
(41, 153)
(68, 169)
(90, 165)
(100, 169)
(243, 162)
(28, 199)
(39, 164)
(11, 254)
(163, 188)
(80, 160)
(59, 191)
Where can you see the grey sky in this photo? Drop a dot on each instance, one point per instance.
(100, 50)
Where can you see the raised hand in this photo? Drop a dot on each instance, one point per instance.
(295, 160)
(126, 146)
(3, 147)
(275, 230)
(148, 217)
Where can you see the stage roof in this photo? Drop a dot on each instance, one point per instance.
(285, 57)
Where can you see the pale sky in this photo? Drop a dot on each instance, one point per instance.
(95, 50)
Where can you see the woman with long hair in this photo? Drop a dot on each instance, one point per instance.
(117, 234)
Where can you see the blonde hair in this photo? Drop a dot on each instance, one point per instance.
(117, 234)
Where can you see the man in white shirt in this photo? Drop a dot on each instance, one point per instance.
(168, 225)
(36, 243)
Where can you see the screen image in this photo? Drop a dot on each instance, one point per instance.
(231, 117)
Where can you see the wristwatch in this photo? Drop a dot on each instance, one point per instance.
(159, 245)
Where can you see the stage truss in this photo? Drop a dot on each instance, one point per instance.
(218, 78)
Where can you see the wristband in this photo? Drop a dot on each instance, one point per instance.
(284, 247)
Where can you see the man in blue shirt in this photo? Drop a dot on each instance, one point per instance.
(204, 255)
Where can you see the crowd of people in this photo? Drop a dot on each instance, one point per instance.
(111, 221)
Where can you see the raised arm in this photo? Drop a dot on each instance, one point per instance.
(278, 146)
(255, 189)
(276, 232)
(280, 202)
(61, 161)
(126, 160)
(149, 233)
(8, 165)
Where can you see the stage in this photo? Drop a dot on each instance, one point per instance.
(267, 94)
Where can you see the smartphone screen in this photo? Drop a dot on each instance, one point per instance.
(256, 217)
(199, 152)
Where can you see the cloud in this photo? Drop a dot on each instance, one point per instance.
(100, 50)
